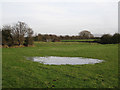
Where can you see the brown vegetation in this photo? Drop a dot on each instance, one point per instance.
(18, 35)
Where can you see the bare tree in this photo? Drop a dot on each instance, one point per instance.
(15, 35)
(29, 38)
(18, 32)
(85, 34)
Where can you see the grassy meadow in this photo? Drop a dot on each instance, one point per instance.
(17, 72)
(78, 40)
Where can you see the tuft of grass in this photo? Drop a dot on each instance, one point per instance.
(17, 72)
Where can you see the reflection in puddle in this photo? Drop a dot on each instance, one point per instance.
(53, 60)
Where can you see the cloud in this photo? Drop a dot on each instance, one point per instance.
(63, 18)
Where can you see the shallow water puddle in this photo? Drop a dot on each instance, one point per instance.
(54, 60)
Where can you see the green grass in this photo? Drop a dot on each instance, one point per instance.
(78, 40)
(21, 73)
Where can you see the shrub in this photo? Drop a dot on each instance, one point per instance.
(116, 38)
(106, 39)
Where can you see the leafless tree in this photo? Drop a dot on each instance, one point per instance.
(18, 32)
(29, 38)
(85, 34)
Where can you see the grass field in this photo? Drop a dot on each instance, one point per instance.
(21, 73)
(78, 40)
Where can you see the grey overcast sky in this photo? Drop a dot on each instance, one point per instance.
(62, 17)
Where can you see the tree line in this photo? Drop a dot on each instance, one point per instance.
(54, 38)
(110, 39)
(104, 39)
(18, 34)
(21, 34)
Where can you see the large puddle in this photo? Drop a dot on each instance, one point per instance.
(53, 60)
